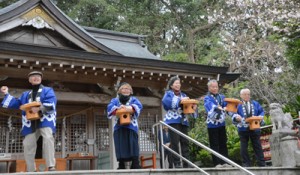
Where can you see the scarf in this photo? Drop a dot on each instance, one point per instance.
(124, 98)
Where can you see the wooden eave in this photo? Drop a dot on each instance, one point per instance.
(122, 60)
(84, 67)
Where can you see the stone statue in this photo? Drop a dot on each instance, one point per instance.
(279, 119)
(283, 140)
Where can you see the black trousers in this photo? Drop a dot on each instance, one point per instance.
(184, 144)
(134, 164)
(254, 136)
(218, 142)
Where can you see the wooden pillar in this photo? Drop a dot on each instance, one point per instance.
(161, 118)
(112, 153)
(163, 112)
(7, 141)
(90, 130)
(63, 140)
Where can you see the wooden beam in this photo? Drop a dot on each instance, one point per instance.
(159, 71)
(91, 98)
(57, 76)
(108, 80)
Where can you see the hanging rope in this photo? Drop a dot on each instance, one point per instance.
(66, 116)
(10, 115)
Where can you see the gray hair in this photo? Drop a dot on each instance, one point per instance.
(212, 81)
(245, 90)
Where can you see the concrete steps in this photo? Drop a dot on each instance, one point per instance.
(187, 171)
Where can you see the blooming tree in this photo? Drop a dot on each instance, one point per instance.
(254, 32)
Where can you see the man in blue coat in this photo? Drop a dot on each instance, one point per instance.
(215, 107)
(249, 108)
(33, 129)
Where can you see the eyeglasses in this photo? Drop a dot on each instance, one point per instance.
(126, 89)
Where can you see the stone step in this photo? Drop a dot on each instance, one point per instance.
(185, 171)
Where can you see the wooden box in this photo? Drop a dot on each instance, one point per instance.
(232, 104)
(125, 115)
(188, 105)
(254, 122)
(27, 108)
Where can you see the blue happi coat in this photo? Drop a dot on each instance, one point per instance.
(215, 117)
(47, 98)
(115, 104)
(256, 110)
(174, 111)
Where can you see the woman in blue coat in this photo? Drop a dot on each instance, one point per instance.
(126, 136)
(177, 119)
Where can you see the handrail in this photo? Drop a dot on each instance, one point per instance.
(269, 126)
(197, 143)
(189, 162)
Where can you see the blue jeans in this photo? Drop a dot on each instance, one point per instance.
(254, 136)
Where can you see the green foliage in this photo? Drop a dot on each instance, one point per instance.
(201, 109)
(5, 3)
(287, 88)
(209, 50)
(292, 38)
(293, 51)
(267, 120)
(66, 5)
(199, 133)
(234, 152)
(234, 91)
(178, 57)
(293, 107)
(268, 130)
(205, 158)
(145, 17)
(91, 13)
(233, 143)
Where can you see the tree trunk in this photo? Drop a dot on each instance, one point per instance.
(190, 45)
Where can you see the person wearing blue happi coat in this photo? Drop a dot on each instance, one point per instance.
(177, 119)
(249, 108)
(33, 129)
(215, 106)
(126, 136)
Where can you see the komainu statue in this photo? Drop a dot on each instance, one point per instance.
(283, 141)
(279, 119)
